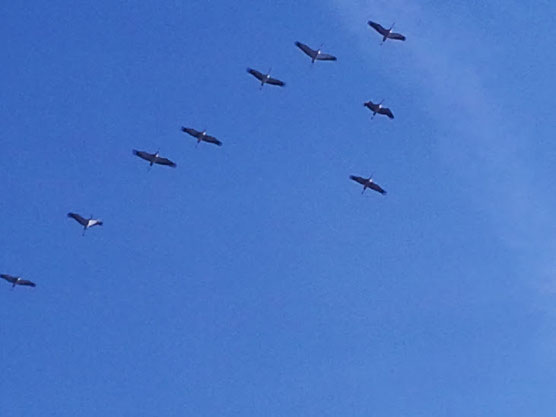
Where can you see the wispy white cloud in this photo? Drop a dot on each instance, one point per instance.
(452, 68)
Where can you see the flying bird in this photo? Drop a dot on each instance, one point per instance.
(86, 223)
(17, 280)
(315, 55)
(154, 158)
(367, 183)
(386, 33)
(265, 78)
(378, 108)
(201, 136)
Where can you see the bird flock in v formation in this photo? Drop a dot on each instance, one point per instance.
(155, 158)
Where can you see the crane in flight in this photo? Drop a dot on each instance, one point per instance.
(265, 78)
(201, 136)
(17, 280)
(154, 158)
(368, 183)
(86, 223)
(386, 33)
(315, 55)
(378, 108)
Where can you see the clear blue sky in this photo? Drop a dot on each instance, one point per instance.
(255, 279)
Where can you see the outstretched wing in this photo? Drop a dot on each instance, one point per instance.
(165, 161)
(211, 139)
(370, 105)
(190, 131)
(360, 180)
(312, 53)
(397, 36)
(9, 278)
(78, 218)
(26, 282)
(378, 27)
(275, 81)
(326, 57)
(376, 187)
(144, 155)
(258, 75)
(386, 111)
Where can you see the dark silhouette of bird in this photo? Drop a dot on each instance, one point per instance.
(154, 158)
(17, 280)
(315, 55)
(265, 78)
(368, 183)
(86, 223)
(386, 33)
(378, 108)
(201, 136)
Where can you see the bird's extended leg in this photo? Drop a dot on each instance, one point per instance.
(364, 188)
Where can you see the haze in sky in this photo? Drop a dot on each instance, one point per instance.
(254, 278)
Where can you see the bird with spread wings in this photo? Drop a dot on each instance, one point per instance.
(386, 33)
(265, 78)
(201, 136)
(378, 108)
(315, 55)
(154, 158)
(368, 183)
(17, 280)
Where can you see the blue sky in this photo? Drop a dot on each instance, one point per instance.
(255, 279)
